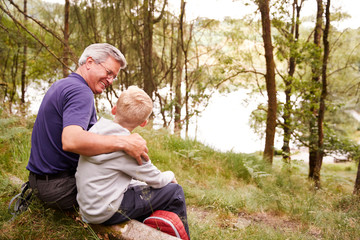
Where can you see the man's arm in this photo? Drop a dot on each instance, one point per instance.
(77, 140)
(147, 172)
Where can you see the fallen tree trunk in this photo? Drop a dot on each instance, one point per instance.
(131, 230)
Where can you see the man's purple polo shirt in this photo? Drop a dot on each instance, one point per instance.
(68, 101)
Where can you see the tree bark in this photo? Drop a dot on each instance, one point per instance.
(179, 69)
(357, 181)
(188, 83)
(148, 28)
(270, 81)
(289, 81)
(147, 48)
(13, 74)
(24, 63)
(313, 140)
(66, 39)
(321, 116)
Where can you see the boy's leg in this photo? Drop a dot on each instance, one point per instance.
(139, 202)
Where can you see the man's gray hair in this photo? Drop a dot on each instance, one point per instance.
(100, 52)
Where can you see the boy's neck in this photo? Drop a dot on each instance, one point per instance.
(124, 125)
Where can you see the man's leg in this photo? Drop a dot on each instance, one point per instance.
(55, 193)
(141, 201)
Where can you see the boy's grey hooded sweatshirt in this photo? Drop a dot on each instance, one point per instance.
(103, 179)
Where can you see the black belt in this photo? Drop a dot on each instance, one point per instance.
(53, 176)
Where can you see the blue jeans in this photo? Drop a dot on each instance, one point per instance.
(140, 202)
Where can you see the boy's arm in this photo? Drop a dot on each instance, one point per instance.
(147, 172)
(75, 139)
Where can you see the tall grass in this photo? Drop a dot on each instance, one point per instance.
(222, 190)
(15, 145)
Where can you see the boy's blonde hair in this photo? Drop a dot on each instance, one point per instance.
(133, 107)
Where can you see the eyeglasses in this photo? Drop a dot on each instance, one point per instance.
(109, 73)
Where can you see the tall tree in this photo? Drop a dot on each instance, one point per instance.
(316, 73)
(270, 80)
(321, 115)
(179, 69)
(293, 36)
(66, 51)
(188, 84)
(24, 63)
(357, 181)
(148, 27)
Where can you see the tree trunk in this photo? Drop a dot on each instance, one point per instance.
(14, 71)
(147, 48)
(188, 84)
(313, 141)
(179, 69)
(289, 82)
(321, 116)
(66, 39)
(24, 63)
(148, 28)
(270, 81)
(187, 90)
(357, 181)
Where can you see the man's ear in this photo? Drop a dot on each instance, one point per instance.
(113, 110)
(89, 62)
(144, 123)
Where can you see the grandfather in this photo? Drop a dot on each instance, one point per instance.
(60, 131)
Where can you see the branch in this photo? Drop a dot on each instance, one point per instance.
(37, 21)
(42, 43)
(45, 28)
(280, 74)
(4, 28)
(132, 23)
(237, 73)
(161, 14)
(347, 64)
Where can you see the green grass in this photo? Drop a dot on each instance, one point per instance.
(222, 190)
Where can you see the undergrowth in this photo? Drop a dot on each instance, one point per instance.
(222, 191)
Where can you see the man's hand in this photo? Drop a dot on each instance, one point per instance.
(174, 181)
(136, 147)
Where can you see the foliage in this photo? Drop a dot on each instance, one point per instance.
(121, 23)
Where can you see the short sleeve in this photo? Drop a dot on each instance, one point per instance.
(78, 107)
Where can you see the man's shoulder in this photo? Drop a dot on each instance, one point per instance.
(72, 88)
(72, 81)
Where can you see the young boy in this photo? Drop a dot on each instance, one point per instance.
(107, 190)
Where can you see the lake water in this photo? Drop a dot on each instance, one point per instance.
(224, 124)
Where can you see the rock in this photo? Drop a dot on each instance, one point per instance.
(15, 180)
(242, 223)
